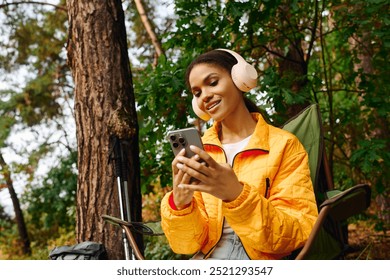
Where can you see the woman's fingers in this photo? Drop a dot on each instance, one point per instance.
(195, 170)
(193, 166)
(175, 161)
(216, 179)
(181, 178)
(204, 156)
(182, 196)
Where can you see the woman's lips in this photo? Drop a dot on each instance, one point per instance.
(213, 105)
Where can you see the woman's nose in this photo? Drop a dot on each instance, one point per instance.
(206, 95)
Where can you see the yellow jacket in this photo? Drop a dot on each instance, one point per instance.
(273, 215)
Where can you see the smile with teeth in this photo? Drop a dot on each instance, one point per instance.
(212, 105)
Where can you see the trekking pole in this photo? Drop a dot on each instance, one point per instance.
(120, 171)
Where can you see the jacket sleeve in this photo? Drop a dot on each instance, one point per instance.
(186, 229)
(282, 222)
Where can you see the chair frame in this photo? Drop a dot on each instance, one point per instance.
(357, 197)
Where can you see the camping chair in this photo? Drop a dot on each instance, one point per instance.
(329, 237)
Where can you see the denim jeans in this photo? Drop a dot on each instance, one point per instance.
(229, 247)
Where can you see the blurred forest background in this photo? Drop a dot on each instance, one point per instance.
(332, 52)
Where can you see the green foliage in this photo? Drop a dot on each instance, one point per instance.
(45, 240)
(42, 241)
(372, 159)
(50, 214)
(53, 204)
(157, 248)
(6, 123)
(360, 111)
(36, 42)
(201, 25)
(8, 239)
(32, 46)
(162, 106)
(334, 52)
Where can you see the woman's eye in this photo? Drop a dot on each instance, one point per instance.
(214, 83)
(196, 93)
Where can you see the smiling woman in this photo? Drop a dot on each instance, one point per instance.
(214, 91)
(253, 199)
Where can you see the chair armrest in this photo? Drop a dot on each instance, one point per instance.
(332, 193)
(350, 202)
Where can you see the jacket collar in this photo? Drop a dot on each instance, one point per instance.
(259, 139)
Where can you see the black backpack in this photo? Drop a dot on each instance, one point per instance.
(87, 250)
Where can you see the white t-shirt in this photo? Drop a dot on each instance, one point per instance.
(232, 149)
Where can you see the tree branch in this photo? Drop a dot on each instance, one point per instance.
(275, 53)
(149, 29)
(291, 27)
(313, 33)
(62, 8)
(339, 89)
(22, 229)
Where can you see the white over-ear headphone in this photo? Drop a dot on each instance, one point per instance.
(244, 76)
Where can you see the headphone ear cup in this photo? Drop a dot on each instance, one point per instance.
(200, 113)
(244, 75)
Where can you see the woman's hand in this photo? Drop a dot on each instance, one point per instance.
(181, 197)
(216, 179)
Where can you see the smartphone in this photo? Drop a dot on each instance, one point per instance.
(184, 138)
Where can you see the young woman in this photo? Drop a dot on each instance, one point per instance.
(252, 197)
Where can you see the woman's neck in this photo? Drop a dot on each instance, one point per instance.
(237, 128)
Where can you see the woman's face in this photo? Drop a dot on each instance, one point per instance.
(214, 90)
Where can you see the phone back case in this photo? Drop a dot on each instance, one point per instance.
(183, 138)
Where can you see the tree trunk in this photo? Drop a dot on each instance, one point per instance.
(23, 235)
(104, 107)
(294, 67)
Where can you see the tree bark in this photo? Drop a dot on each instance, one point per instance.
(104, 107)
(22, 229)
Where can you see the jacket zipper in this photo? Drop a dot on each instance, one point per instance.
(207, 255)
(267, 187)
(248, 150)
